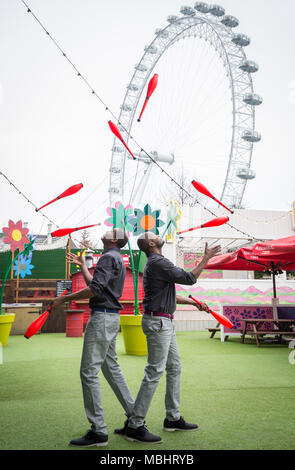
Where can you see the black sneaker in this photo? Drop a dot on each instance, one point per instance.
(142, 435)
(122, 430)
(90, 439)
(179, 425)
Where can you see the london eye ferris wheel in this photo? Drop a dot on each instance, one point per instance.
(202, 118)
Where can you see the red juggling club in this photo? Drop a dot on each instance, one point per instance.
(220, 318)
(66, 231)
(117, 133)
(68, 192)
(151, 88)
(37, 324)
(212, 223)
(202, 189)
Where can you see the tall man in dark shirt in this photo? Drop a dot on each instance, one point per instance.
(159, 278)
(99, 350)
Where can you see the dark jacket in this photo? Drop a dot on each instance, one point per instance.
(108, 280)
(159, 279)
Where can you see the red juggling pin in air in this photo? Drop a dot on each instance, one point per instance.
(202, 189)
(117, 133)
(212, 223)
(38, 323)
(68, 192)
(220, 318)
(66, 231)
(151, 88)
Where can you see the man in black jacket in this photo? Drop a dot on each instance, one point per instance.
(159, 278)
(99, 350)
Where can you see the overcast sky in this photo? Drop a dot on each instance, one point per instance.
(53, 133)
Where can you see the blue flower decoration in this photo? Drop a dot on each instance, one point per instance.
(25, 266)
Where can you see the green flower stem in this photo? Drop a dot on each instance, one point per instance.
(166, 229)
(137, 276)
(134, 278)
(11, 261)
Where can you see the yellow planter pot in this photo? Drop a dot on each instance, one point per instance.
(134, 338)
(6, 321)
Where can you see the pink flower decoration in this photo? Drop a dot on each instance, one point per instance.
(16, 235)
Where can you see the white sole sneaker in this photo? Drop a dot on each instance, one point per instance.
(182, 430)
(97, 444)
(131, 439)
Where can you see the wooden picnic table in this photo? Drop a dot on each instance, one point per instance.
(256, 324)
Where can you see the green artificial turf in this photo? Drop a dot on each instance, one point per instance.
(241, 396)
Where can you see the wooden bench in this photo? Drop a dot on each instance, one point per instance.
(213, 331)
(257, 333)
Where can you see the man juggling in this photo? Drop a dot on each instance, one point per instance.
(159, 279)
(99, 350)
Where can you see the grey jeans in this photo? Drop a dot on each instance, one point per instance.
(162, 354)
(99, 352)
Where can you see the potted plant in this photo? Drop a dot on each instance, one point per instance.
(136, 222)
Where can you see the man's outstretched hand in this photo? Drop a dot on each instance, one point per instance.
(76, 259)
(211, 252)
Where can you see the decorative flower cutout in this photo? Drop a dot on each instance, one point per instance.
(25, 266)
(30, 247)
(121, 217)
(173, 216)
(16, 235)
(147, 221)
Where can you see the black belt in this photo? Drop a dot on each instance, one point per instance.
(159, 314)
(105, 310)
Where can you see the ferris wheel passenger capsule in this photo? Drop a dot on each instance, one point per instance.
(161, 33)
(241, 40)
(151, 49)
(121, 129)
(113, 190)
(202, 7)
(252, 99)
(251, 136)
(141, 67)
(249, 66)
(216, 10)
(126, 107)
(188, 11)
(115, 170)
(132, 87)
(230, 21)
(172, 18)
(117, 149)
(246, 174)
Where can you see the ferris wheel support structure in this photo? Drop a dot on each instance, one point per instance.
(212, 25)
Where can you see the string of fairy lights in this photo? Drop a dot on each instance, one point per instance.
(107, 109)
(44, 216)
(27, 199)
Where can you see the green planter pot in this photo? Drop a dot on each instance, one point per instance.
(6, 320)
(133, 336)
